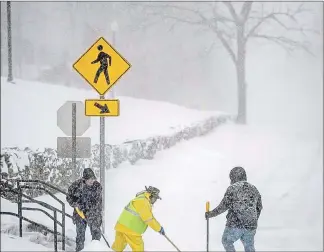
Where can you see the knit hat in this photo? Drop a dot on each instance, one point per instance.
(88, 174)
(153, 191)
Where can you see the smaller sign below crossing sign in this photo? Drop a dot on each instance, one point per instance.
(102, 107)
(83, 147)
(101, 66)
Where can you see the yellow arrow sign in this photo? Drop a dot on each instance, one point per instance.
(101, 107)
(101, 66)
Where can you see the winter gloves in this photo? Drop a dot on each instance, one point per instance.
(162, 231)
(208, 215)
(80, 213)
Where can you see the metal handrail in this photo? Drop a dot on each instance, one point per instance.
(44, 204)
(44, 184)
(43, 211)
(32, 200)
(41, 182)
(43, 227)
(20, 194)
(31, 222)
(53, 196)
(20, 208)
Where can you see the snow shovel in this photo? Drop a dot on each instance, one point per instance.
(172, 243)
(81, 214)
(207, 210)
(105, 239)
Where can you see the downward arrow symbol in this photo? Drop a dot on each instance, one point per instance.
(103, 109)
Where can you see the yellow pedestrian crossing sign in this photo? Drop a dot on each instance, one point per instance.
(101, 66)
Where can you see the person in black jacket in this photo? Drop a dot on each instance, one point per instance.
(244, 205)
(86, 195)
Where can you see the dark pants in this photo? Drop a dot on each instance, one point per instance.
(101, 69)
(232, 235)
(81, 226)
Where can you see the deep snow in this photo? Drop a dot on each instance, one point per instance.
(14, 243)
(286, 168)
(35, 104)
(287, 171)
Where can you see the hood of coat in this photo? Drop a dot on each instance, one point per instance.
(88, 173)
(237, 174)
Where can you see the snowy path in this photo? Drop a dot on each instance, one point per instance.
(288, 174)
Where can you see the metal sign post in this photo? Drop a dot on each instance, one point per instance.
(102, 66)
(102, 166)
(74, 141)
(72, 121)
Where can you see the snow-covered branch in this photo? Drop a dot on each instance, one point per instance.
(277, 17)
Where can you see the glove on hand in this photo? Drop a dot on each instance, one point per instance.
(162, 231)
(74, 205)
(207, 215)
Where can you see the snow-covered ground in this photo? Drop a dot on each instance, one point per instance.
(287, 171)
(36, 104)
(286, 167)
(14, 243)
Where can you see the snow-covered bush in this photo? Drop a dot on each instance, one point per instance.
(46, 166)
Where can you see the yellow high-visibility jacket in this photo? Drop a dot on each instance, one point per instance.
(143, 209)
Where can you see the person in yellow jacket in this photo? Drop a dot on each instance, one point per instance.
(135, 219)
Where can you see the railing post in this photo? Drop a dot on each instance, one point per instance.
(63, 227)
(55, 231)
(54, 211)
(19, 208)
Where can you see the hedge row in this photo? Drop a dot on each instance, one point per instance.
(46, 166)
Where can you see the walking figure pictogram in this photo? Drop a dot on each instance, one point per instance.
(102, 58)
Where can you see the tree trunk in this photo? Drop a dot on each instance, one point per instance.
(18, 52)
(10, 75)
(240, 74)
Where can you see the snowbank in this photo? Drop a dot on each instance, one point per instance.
(47, 166)
(149, 126)
(29, 118)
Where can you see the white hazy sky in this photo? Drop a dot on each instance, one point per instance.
(171, 65)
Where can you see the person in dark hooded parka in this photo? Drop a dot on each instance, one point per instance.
(244, 205)
(85, 194)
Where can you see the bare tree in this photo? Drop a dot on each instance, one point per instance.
(234, 28)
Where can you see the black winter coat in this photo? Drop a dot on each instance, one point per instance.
(88, 198)
(244, 205)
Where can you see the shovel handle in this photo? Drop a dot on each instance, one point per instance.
(207, 206)
(207, 242)
(103, 236)
(172, 243)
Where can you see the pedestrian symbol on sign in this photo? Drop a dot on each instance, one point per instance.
(103, 59)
